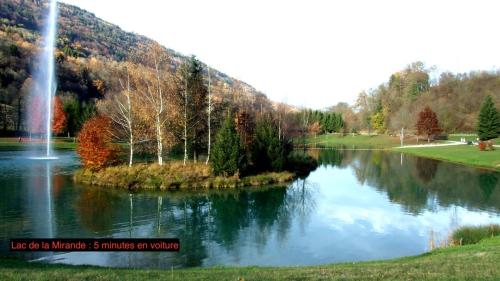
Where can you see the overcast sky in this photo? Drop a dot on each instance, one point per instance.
(316, 53)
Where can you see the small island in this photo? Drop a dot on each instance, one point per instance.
(249, 150)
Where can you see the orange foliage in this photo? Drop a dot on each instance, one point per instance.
(95, 145)
(59, 119)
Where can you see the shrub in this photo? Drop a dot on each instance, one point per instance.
(95, 145)
(473, 234)
(486, 145)
(482, 146)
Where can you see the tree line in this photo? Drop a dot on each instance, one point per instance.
(455, 98)
(160, 112)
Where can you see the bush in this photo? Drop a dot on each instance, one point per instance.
(482, 146)
(473, 234)
(486, 145)
(95, 145)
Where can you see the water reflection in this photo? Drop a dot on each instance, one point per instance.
(419, 181)
(358, 205)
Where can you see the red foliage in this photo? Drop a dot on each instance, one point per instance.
(95, 145)
(427, 123)
(486, 145)
(59, 119)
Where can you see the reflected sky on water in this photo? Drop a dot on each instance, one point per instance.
(357, 205)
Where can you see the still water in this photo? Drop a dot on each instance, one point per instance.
(357, 205)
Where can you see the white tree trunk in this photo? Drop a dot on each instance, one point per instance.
(209, 122)
(159, 140)
(185, 124)
(131, 132)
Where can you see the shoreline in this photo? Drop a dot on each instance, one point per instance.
(459, 262)
(174, 176)
(462, 154)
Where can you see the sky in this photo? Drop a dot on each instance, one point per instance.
(316, 53)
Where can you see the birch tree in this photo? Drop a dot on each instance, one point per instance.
(209, 117)
(118, 106)
(154, 90)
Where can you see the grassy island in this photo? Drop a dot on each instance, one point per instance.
(174, 175)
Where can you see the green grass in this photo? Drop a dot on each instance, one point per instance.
(173, 175)
(457, 137)
(356, 141)
(13, 144)
(473, 234)
(472, 262)
(463, 154)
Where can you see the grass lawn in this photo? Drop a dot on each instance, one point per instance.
(14, 144)
(471, 262)
(356, 141)
(464, 154)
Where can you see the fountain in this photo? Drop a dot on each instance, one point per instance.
(44, 88)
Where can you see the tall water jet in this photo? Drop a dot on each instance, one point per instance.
(44, 88)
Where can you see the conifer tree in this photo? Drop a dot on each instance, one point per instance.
(489, 120)
(228, 154)
(268, 153)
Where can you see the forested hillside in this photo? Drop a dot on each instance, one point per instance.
(88, 52)
(395, 104)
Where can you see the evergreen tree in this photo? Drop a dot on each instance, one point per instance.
(268, 153)
(489, 120)
(228, 154)
(340, 122)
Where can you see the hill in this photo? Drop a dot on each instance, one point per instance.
(87, 47)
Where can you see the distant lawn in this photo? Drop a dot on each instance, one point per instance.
(464, 154)
(14, 144)
(471, 262)
(356, 141)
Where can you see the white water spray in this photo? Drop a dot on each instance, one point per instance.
(49, 59)
(45, 83)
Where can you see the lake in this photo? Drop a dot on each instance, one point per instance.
(357, 205)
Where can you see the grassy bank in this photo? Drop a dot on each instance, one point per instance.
(463, 154)
(471, 262)
(354, 141)
(13, 144)
(173, 175)
(466, 235)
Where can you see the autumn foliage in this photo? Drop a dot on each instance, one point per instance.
(95, 145)
(427, 123)
(37, 115)
(59, 119)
